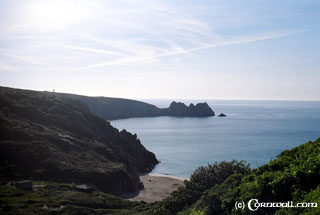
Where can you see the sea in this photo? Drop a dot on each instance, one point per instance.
(253, 131)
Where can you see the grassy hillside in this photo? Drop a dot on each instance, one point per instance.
(48, 138)
(215, 189)
(63, 199)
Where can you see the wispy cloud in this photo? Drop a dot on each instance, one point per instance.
(93, 50)
(28, 59)
(116, 33)
(179, 50)
(239, 40)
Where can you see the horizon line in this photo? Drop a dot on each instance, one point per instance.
(174, 99)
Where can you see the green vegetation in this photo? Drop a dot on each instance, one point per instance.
(202, 180)
(55, 198)
(293, 176)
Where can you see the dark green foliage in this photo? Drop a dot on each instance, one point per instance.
(48, 138)
(63, 199)
(201, 180)
(293, 176)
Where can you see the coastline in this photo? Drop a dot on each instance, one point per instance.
(155, 187)
(166, 175)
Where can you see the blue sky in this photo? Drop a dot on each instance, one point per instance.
(264, 49)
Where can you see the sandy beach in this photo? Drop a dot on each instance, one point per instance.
(156, 188)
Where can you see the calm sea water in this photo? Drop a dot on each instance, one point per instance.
(254, 131)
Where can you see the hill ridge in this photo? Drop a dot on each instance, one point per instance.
(49, 138)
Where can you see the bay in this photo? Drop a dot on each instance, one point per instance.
(254, 131)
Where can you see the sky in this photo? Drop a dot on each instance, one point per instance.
(161, 49)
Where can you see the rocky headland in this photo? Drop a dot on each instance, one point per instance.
(118, 108)
(45, 137)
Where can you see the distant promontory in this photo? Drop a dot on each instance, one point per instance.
(118, 108)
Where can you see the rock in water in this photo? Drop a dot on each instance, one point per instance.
(180, 109)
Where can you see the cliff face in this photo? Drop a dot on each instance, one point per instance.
(45, 137)
(117, 108)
